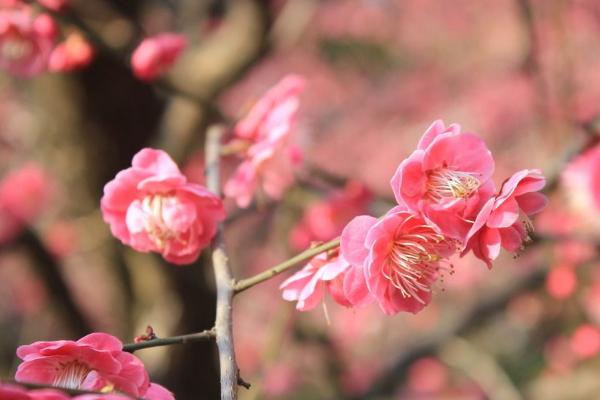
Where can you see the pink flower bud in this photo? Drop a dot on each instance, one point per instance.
(156, 54)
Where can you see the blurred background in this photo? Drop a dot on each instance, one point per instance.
(523, 74)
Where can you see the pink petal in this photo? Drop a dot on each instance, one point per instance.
(532, 203)
(352, 246)
(355, 286)
(463, 152)
(505, 214)
(512, 237)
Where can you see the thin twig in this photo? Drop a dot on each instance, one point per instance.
(208, 334)
(247, 283)
(223, 277)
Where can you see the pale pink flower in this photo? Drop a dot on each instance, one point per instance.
(561, 282)
(582, 181)
(307, 285)
(446, 178)
(154, 392)
(24, 193)
(264, 135)
(152, 207)
(585, 341)
(401, 257)
(427, 375)
(325, 219)
(156, 54)
(95, 362)
(72, 54)
(47, 394)
(9, 391)
(497, 223)
(25, 41)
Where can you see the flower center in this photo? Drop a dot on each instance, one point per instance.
(155, 224)
(444, 183)
(15, 48)
(414, 261)
(71, 375)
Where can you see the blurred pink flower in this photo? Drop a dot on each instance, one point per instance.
(585, 341)
(61, 238)
(582, 181)
(446, 178)
(325, 219)
(95, 362)
(280, 380)
(156, 54)
(12, 392)
(24, 193)
(264, 135)
(497, 223)
(561, 282)
(152, 207)
(427, 375)
(74, 53)
(402, 257)
(25, 41)
(307, 285)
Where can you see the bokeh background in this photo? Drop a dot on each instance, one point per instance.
(523, 74)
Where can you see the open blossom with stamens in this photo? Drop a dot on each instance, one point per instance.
(26, 41)
(307, 286)
(152, 207)
(497, 223)
(445, 178)
(401, 257)
(95, 362)
(264, 137)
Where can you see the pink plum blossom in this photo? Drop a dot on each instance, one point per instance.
(153, 208)
(24, 193)
(264, 136)
(95, 362)
(446, 178)
(582, 181)
(26, 41)
(307, 285)
(325, 219)
(586, 341)
(497, 223)
(12, 392)
(72, 54)
(400, 255)
(156, 54)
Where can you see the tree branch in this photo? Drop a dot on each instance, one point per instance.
(47, 268)
(166, 341)
(223, 277)
(247, 283)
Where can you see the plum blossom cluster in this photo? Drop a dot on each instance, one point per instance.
(30, 42)
(447, 205)
(263, 139)
(152, 207)
(95, 363)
